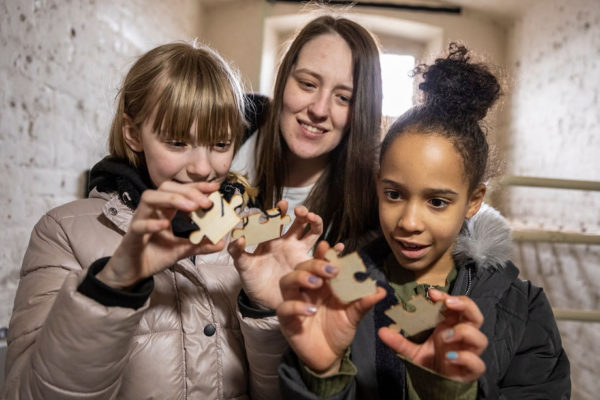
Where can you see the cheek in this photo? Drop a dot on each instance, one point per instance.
(222, 163)
(340, 118)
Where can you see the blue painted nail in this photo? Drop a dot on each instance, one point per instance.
(330, 269)
(451, 355)
(313, 280)
(311, 309)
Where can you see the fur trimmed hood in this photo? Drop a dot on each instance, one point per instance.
(485, 239)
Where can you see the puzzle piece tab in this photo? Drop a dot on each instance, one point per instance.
(256, 231)
(218, 221)
(426, 316)
(345, 285)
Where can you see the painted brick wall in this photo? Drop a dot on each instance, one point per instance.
(61, 63)
(554, 115)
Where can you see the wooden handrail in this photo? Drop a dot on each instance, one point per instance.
(549, 183)
(554, 237)
(576, 315)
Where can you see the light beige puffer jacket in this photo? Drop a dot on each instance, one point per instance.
(64, 345)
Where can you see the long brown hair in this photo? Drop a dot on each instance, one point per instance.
(344, 195)
(185, 84)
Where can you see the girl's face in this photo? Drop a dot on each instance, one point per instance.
(317, 96)
(181, 162)
(423, 201)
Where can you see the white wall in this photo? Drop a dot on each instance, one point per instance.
(553, 131)
(61, 63)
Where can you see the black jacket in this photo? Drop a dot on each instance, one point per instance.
(524, 359)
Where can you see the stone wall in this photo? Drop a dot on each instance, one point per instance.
(61, 63)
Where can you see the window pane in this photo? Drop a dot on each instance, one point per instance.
(397, 85)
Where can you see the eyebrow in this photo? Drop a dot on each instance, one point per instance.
(428, 192)
(319, 77)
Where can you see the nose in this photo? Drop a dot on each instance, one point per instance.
(319, 107)
(410, 219)
(198, 167)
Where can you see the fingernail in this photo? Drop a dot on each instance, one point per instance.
(453, 301)
(330, 269)
(451, 355)
(448, 333)
(311, 309)
(313, 280)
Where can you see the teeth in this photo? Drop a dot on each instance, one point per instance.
(312, 128)
(410, 246)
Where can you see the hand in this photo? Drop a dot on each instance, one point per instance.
(149, 245)
(317, 325)
(454, 347)
(261, 270)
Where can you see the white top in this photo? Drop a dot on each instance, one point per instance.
(244, 163)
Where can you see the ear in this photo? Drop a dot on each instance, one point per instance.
(132, 134)
(475, 200)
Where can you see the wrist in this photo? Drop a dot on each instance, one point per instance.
(109, 277)
(328, 371)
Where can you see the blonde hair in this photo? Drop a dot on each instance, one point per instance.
(184, 84)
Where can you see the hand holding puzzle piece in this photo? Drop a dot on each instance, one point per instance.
(218, 220)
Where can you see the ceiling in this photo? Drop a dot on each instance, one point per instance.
(500, 8)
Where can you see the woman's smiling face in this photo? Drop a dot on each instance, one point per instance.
(316, 98)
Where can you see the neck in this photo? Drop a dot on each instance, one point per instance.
(304, 172)
(437, 273)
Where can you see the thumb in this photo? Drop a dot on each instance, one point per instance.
(237, 248)
(397, 342)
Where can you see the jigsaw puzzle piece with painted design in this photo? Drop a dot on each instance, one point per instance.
(345, 285)
(258, 229)
(426, 316)
(218, 221)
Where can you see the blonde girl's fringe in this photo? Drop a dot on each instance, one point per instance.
(250, 191)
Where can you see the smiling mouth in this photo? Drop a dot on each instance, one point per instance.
(312, 128)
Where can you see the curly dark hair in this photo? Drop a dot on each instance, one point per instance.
(457, 96)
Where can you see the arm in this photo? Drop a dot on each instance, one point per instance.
(260, 273)
(318, 327)
(64, 344)
(50, 318)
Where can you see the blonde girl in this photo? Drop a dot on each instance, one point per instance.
(111, 303)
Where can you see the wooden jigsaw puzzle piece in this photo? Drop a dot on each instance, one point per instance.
(218, 221)
(426, 316)
(345, 285)
(256, 231)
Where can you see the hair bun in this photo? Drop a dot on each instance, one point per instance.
(458, 89)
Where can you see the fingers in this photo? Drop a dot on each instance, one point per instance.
(467, 366)
(321, 249)
(237, 248)
(458, 308)
(465, 337)
(295, 308)
(358, 308)
(339, 247)
(397, 342)
(305, 219)
(282, 205)
(307, 275)
(171, 195)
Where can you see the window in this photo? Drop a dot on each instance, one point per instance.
(397, 84)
